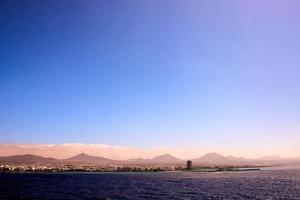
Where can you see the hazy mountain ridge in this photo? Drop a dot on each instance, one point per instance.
(166, 158)
(89, 159)
(27, 158)
(210, 159)
(218, 159)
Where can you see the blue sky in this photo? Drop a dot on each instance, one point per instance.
(151, 73)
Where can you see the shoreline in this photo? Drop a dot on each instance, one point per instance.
(198, 170)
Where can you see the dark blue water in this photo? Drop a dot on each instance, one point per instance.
(264, 184)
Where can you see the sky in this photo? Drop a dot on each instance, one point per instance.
(169, 74)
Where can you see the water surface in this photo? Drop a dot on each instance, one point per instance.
(271, 183)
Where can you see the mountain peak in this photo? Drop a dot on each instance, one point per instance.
(164, 155)
(83, 157)
(83, 154)
(213, 155)
(210, 157)
(166, 158)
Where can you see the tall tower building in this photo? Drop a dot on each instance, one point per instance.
(189, 165)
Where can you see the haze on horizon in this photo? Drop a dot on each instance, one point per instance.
(192, 76)
(67, 150)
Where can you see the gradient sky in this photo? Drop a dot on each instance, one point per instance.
(149, 74)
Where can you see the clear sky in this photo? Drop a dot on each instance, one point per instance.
(149, 74)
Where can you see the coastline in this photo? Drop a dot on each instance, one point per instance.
(198, 170)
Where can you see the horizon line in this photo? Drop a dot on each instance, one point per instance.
(165, 154)
(67, 150)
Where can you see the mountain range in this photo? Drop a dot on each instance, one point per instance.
(210, 159)
(27, 158)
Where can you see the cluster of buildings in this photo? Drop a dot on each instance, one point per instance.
(41, 167)
(82, 168)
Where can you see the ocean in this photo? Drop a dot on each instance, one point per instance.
(269, 183)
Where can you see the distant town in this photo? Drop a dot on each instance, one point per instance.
(166, 162)
(82, 168)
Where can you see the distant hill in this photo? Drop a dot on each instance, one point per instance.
(84, 158)
(210, 157)
(166, 158)
(27, 158)
(214, 159)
